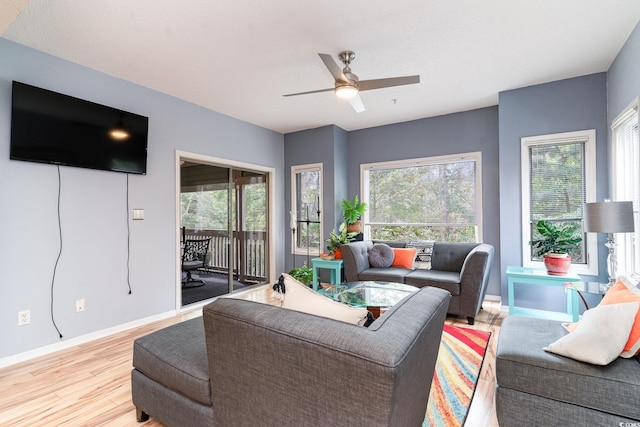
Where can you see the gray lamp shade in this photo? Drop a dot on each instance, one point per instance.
(608, 217)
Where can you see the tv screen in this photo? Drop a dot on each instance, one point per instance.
(49, 127)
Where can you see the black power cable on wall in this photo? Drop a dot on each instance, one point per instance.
(55, 267)
(128, 240)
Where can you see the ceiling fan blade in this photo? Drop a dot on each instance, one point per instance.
(333, 68)
(356, 103)
(390, 82)
(311, 91)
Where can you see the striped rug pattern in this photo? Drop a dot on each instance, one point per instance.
(456, 375)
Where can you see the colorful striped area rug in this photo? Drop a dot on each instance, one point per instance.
(456, 375)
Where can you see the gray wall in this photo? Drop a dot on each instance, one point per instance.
(561, 106)
(326, 145)
(623, 78)
(93, 261)
(464, 132)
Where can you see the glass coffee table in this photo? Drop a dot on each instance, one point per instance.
(374, 295)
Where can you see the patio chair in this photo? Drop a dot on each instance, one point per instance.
(194, 254)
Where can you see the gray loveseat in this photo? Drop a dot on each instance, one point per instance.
(246, 363)
(461, 268)
(543, 389)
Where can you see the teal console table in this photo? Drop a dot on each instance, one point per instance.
(539, 276)
(335, 265)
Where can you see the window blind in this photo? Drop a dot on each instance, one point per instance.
(626, 182)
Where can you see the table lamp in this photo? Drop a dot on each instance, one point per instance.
(609, 217)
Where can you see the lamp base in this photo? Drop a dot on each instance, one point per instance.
(612, 261)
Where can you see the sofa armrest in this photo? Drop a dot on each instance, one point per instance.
(298, 367)
(474, 275)
(355, 258)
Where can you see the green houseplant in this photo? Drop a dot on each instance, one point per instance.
(557, 241)
(336, 240)
(352, 212)
(302, 274)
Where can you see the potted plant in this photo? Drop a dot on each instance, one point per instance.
(302, 274)
(336, 240)
(353, 211)
(554, 246)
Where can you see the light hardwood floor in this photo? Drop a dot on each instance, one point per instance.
(89, 385)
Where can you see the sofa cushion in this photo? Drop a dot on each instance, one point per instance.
(523, 365)
(625, 291)
(299, 297)
(392, 243)
(381, 256)
(390, 274)
(176, 357)
(450, 256)
(600, 337)
(447, 280)
(403, 257)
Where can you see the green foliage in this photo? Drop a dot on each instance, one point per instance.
(439, 233)
(425, 202)
(556, 238)
(336, 240)
(207, 209)
(204, 210)
(353, 211)
(302, 274)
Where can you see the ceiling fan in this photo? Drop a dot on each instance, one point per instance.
(347, 84)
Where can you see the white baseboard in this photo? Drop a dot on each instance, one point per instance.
(48, 349)
(493, 298)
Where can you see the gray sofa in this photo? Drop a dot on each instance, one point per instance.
(461, 268)
(539, 388)
(255, 364)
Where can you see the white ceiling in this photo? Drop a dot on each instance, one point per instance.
(239, 57)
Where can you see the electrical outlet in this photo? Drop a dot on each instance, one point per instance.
(24, 317)
(79, 305)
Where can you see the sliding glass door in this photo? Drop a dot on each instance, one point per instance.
(226, 207)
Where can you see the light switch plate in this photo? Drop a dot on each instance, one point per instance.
(138, 214)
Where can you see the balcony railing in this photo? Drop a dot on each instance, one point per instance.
(249, 252)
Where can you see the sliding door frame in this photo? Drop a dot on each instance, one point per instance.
(224, 163)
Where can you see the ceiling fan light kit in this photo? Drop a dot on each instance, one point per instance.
(348, 85)
(346, 91)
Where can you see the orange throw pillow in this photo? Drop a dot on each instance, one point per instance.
(403, 257)
(623, 291)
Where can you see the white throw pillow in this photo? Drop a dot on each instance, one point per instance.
(601, 335)
(299, 297)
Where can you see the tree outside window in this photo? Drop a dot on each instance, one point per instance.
(424, 199)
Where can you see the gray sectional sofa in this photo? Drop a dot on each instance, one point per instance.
(539, 388)
(250, 364)
(463, 269)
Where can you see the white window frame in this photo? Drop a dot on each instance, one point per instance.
(628, 251)
(296, 169)
(589, 138)
(425, 161)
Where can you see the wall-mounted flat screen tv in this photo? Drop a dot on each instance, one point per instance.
(49, 127)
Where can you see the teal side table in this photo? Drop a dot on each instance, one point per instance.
(335, 265)
(539, 276)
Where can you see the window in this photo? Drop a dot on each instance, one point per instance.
(626, 182)
(558, 178)
(435, 198)
(306, 183)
